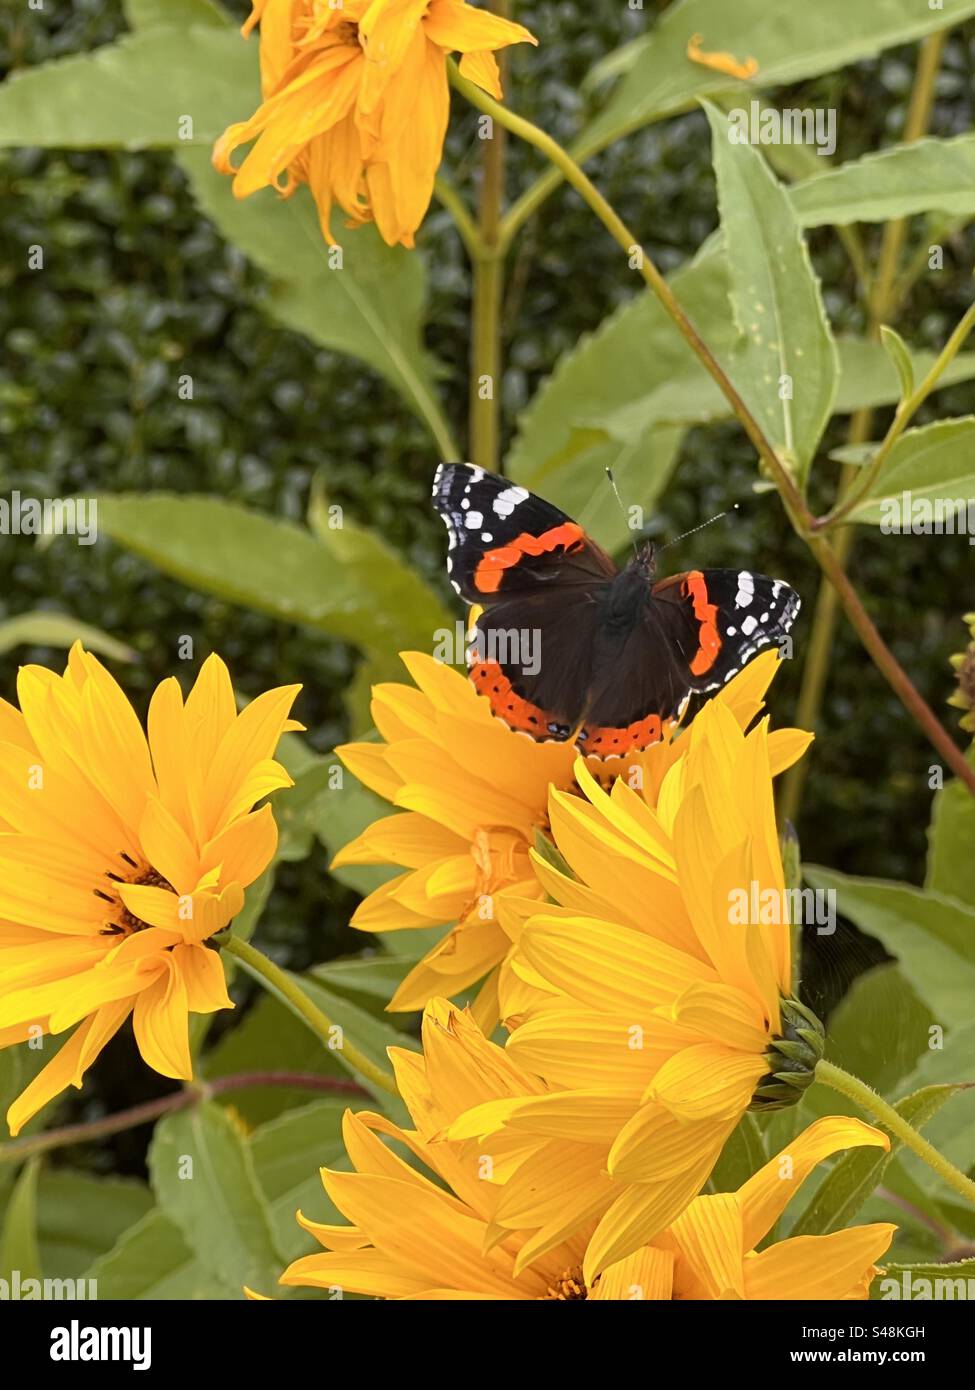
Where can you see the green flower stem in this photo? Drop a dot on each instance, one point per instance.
(621, 234)
(867, 1099)
(467, 228)
(279, 983)
(18, 1149)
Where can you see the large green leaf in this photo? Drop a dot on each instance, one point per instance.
(786, 365)
(152, 1260)
(371, 307)
(936, 465)
(80, 1217)
(564, 445)
(932, 936)
(877, 1032)
(789, 42)
(287, 1153)
(43, 629)
(278, 568)
(203, 1176)
(926, 176)
(165, 87)
(848, 1185)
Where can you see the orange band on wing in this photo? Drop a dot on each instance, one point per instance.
(613, 742)
(489, 679)
(493, 563)
(709, 643)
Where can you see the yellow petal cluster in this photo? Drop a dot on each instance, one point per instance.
(356, 101)
(120, 855)
(473, 795)
(435, 1234)
(647, 996)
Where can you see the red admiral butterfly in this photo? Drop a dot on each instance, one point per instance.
(565, 645)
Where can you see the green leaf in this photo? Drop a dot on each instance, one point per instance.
(287, 1153)
(925, 176)
(151, 1260)
(743, 1154)
(803, 41)
(942, 1279)
(877, 1032)
(899, 353)
(274, 567)
(932, 936)
(137, 93)
(203, 1176)
(19, 1248)
(371, 979)
(144, 14)
(80, 1217)
(371, 307)
(851, 1181)
(936, 465)
(951, 835)
(43, 629)
(776, 303)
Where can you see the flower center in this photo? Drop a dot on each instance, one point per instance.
(142, 876)
(568, 1287)
(347, 31)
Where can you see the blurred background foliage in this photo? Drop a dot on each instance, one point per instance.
(138, 286)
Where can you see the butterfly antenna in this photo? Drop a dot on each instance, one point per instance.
(694, 529)
(612, 483)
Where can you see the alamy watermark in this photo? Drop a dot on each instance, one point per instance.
(50, 516)
(518, 649)
(765, 125)
(911, 515)
(754, 905)
(17, 1289)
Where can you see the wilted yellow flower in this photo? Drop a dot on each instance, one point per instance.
(356, 102)
(120, 857)
(420, 1239)
(473, 796)
(963, 665)
(655, 998)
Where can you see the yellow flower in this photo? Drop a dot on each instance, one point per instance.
(654, 999)
(417, 1238)
(963, 665)
(473, 796)
(356, 102)
(120, 857)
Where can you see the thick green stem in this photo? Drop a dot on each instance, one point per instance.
(281, 984)
(867, 1099)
